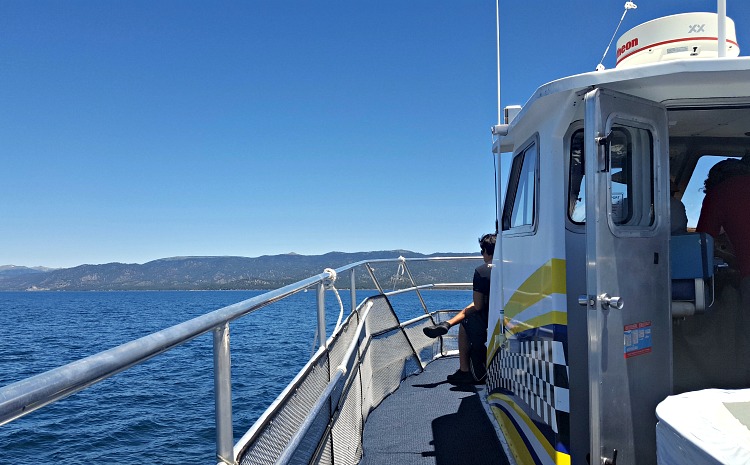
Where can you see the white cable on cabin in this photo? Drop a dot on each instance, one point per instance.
(628, 6)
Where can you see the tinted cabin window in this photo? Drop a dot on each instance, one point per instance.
(577, 180)
(631, 174)
(520, 203)
(693, 196)
(631, 177)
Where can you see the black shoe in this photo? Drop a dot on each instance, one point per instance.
(461, 377)
(436, 330)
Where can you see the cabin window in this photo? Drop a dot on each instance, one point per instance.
(693, 196)
(631, 177)
(520, 203)
(577, 180)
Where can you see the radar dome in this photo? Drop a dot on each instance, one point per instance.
(676, 37)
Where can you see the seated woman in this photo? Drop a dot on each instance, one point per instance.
(726, 208)
(726, 211)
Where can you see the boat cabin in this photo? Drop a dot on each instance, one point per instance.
(600, 310)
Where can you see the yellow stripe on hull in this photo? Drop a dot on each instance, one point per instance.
(548, 279)
(544, 450)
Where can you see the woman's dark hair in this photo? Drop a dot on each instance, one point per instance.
(487, 243)
(725, 169)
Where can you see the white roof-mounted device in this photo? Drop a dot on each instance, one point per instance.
(687, 35)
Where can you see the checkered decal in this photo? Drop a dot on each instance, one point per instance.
(535, 372)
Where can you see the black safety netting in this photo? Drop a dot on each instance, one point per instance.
(385, 353)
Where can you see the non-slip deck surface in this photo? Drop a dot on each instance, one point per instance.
(428, 421)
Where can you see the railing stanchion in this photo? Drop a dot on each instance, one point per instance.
(223, 395)
(353, 289)
(374, 279)
(321, 314)
(416, 288)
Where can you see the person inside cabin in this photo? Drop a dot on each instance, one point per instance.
(472, 334)
(726, 208)
(678, 216)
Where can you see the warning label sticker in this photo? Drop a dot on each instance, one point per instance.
(637, 339)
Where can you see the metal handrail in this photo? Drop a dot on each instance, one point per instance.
(338, 377)
(325, 396)
(23, 397)
(428, 286)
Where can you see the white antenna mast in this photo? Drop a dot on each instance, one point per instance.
(497, 33)
(721, 8)
(628, 6)
(499, 129)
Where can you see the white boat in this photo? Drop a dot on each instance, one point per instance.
(590, 329)
(597, 315)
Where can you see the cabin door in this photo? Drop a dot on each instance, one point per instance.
(627, 274)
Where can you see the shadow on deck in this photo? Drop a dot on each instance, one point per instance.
(429, 421)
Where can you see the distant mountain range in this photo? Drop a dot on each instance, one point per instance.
(13, 270)
(213, 273)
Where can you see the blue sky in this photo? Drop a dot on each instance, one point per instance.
(132, 131)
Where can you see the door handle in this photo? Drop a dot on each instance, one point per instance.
(602, 146)
(611, 302)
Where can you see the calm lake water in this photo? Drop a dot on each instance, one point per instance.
(160, 412)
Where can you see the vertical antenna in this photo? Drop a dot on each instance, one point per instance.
(496, 158)
(722, 13)
(497, 38)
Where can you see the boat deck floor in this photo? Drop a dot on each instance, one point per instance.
(428, 421)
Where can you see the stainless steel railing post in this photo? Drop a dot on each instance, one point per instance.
(374, 279)
(223, 395)
(353, 289)
(321, 314)
(416, 288)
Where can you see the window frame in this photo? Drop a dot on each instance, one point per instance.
(620, 125)
(575, 129)
(514, 178)
(639, 229)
